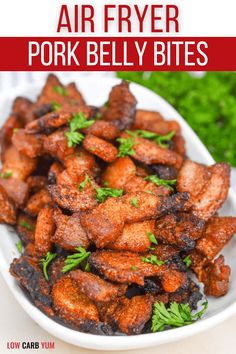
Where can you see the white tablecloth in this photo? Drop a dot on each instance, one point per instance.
(15, 325)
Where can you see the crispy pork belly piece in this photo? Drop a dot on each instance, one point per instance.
(19, 164)
(215, 277)
(134, 237)
(7, 208)
(95, 288)
(163, 171)
(16, 189)
(28, 273)
(218, 233)
(180, 230)
(128, 267)
(23, 107)
(121, 106)
(130, 315)
(198, 262)
(164, 252)
(51, 92)
(11, 124)
(69, 197)
(28, 144)
(69, 233)
(35, 183)
(55, 169)
(104, 130)
(38, 201)
(104, 224)
(56, 145)
(119, 172)
(44, 231)
(81, 162)
(53, 120)
(136, 184)
(179, 144)
(25, 227)
(55, 270)
(101, 148)
(72, 306)
(207, 186)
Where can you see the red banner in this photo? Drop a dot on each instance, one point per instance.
(117, 53)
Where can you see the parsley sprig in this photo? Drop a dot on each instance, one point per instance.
(126, 146)
(134, 202)
(177, 315)
(73, 260)
(161, 140)
(19, 246)
(187, 261)
(152, 259)
(45, 262)
(79, 121)
(86, 180)
(26, 225)
(104, 193)
(6, 174)
(60, 90)
(152, 238)
(162, 182)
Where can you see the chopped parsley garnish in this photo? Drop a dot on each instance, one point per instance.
(55, 106)
(153, 260)
(133, 268)
(162, 182)
(161, 140)
(105, 184)
(73, 260)
(45, 262)
(79, 121)
(152, 238)
(85, 181)
(87, 268)
(19, 246)
(6, 174)
(26, 225)
(187, 261)
(176, 315)
(104, 193)
(61, 90)
(134, 202)
(126, 147)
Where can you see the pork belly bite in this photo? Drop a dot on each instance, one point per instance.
(219, 231)
(44, 231)
(7, 209)
(121, 106)
(130, 315)
(38, 201)
(128, 267)
(56, 145)
(81, 162)
(28, 144)
(74, 307)
(134, 237)
(207, 186)
(69, 232)
(16, 189)
(180, 230)
(102, 129)
(95, 288)
(25, 228)
(119, 172)
(136, 184)
(28, 273)
(215, 277)
(101, 148)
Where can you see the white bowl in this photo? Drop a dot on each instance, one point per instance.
(95, 92)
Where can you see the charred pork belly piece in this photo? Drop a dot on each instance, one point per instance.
(44, 231)
(121, 106)
(28, 144)
(137, 184)
(180, 230)
(102, 129)
(134, 237)
(35, 183)
(128, 267)
(16, 189)
(163, 171)
(55, 169)
(25, 227)
(130, 315)
(154, 122)
(119, 172)
(164, 252)
(28, 273)
(207, 186)
(218, 233)
(55, 270)
(74, 307)
(11, 124)
(69, 232)
(101, 148)
(95, 288)
(7, 208)
(215, 277)
(38, 201)
(23, 107)
(149, 152)
(56, 145)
